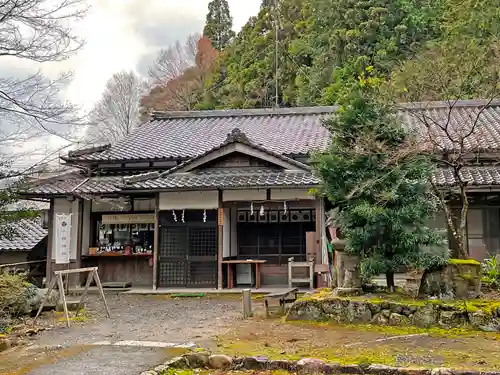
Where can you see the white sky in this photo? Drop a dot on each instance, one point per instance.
(119, 33)
(125, 35)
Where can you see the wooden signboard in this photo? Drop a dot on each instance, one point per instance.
(220, 216)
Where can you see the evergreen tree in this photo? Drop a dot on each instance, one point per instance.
(380, 186)
(218, 27)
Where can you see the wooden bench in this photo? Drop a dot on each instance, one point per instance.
(287, 296)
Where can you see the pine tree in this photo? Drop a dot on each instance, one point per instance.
(219, 23)
(380, 186)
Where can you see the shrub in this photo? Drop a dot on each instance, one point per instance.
(491, 272)
(15, 293)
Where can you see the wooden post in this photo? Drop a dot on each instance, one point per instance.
(156, 245)
(220, 254)
(60, 285)
(50, 239)
(247, 303)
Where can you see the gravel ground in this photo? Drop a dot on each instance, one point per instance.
(140, 318)
(148, 318)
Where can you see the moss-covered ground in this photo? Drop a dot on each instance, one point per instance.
(363, 344)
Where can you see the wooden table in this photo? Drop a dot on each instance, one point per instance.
(231, 263)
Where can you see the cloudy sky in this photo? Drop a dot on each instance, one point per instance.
(122, 35)
(125, 34)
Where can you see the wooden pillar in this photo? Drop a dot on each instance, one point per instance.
(220, 243)
(50, 239)
(156, 241)
(319, 230)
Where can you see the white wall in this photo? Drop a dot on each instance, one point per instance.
(244, 195)
(207, 199)
(234, 232)
(62, 205)
(283, 194)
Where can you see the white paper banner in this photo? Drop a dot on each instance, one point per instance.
(63, 238)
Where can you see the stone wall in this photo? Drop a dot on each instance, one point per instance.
(476, 314)
(197, 361)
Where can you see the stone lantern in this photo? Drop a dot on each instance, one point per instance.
(347, 278)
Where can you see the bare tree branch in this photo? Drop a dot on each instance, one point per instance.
(117, 114)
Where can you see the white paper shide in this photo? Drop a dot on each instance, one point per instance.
(63, 238)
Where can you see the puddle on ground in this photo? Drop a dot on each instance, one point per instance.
(22, 360)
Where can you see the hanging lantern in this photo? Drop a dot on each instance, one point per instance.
(182, 216)
(174, 216)
(204, 216)
(251, 208)
(284, 207)
(261, 212)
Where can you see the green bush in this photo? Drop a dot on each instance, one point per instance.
(15, 293)
(491, 272)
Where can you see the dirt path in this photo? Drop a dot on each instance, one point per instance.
(138, 318)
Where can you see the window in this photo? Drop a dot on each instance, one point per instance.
(260, 237)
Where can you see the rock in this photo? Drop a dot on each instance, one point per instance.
(441, 371)
(396, 308)
(425, 316)
(350, 369)
(381, 370)
(451, 319)
(307, 309)
(4, 344)
(37, 296)
(71, 305)
(177, 362)
(310, 366)
(336, 309)
(413, 371)
(479, 318)
(380, 319)
(396, 319)
(375, 308)
(161, 368)
(490, 328)
(220, 361)
(358, 312)
(197, 359)
(285, 365)
(150, 372)
(254, 363)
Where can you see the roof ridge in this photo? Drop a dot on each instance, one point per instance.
(163, 115)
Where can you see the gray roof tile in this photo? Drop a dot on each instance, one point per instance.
(286, 131)
(474, 175)
(28, 233)
(74, 183)
(228, 178)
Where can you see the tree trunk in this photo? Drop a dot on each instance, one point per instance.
(389, 277)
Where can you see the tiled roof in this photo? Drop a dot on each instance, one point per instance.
(28, 233)
(77, 184)
(227, 178)
(286, 131)
(474, 175)
(475, 122)
(183, 135)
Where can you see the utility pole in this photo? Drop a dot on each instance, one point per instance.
(276, 24)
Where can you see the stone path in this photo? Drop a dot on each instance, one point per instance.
(137, 337)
